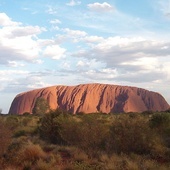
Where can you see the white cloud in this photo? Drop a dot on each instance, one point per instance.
(12, 73)
(6, 21)
(81, 63)
(18, 42)
(110, 73)
(15, 64)
(39, 61)
(35, 82)
(55, 21)
(100, 7)
(115, 50)
(42, 43)
(132, 59)
(51, 10)
(55, 24)
(8, 80)
(66, 65)
(31, 10)
(90, 64)
(54, 52)
(119, 42)
(75, 33)
(17, 81)
(164, 7)
(93, 39)
(26, 31)
(73, 3)
(101, 74)
(84, 65)
(18, 48)
(146, 63)
(23, 84)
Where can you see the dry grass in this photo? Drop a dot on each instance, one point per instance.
(137, 146)
(29, 155)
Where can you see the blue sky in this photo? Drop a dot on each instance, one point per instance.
(70, 42)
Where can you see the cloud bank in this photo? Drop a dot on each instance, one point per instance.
(84, 42)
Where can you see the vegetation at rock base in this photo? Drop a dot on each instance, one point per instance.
(41, 106)
(62, 141)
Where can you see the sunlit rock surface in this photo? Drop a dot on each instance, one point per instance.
(90, 98)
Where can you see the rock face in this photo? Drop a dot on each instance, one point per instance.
(90, 98)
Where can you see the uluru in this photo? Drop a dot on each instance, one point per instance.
(90, 98)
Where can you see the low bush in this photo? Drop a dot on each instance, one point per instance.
(132, 134)
(30, 154)
(58, 140)
(5, 137)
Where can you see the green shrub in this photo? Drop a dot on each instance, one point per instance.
(26, 113)
(5, 137)
(94, 141)
(88, 134)
(41, 106)
(131, 134)
(160, 122)
(50, 126)
(70, 131)
(26, 120)
(20, 133)
(12, 122)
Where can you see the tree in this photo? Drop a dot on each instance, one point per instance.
(50, 125)
(41, 106)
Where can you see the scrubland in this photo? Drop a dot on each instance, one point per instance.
(61, 141)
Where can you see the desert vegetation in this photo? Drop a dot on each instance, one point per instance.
(63, 141)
